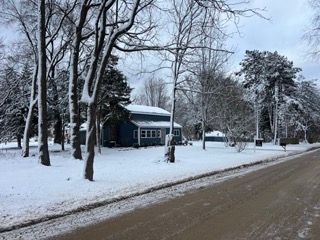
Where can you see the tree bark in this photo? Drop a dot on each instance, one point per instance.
(18, 141)
(74, 108)
(90, 141)
(276, 114)
(98, 131)
(203, 121)
(171, 148)
(203, 135)
(305, 134)
(57, 128)
(28, 125)
(63, 135)
(42, 88)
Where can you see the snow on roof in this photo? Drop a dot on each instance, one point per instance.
(215, 134)
(142, 109)
(155, 124)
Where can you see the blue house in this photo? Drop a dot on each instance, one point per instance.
(146, 126)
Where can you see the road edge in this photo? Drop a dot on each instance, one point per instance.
(106, 202)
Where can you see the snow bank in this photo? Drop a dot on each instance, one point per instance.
(30, 191)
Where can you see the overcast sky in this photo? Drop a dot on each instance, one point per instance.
(289, 20)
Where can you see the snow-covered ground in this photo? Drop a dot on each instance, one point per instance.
(30, 191)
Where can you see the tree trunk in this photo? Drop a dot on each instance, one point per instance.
(63, 135)
(271, 118)
(74, 109)
(26, 133)
(305, 135)
(275, 123)
(27, 128)
(257, 120)
(73, 85)
(203, 135)
(98, 131)
(42, 88)
(203, 121)
(90, 141)
(171, 148)
(57, 128)
(19, 141)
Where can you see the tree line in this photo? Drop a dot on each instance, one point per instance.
(63, 70)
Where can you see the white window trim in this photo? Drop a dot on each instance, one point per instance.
(150, 132)
(135, 134)
(176, 131)
(145, 134)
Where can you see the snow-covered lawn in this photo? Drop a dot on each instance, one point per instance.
(30, 191)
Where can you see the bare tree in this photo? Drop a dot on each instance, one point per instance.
(190, 18)
(153, 93)
(74, 111)
(24, 13)
(312, 36)
(112, 20)
(42, 87)
(17, 13)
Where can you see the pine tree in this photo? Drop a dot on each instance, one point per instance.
(271, 78)
(114, 94)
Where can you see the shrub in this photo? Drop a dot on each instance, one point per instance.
(135, 145)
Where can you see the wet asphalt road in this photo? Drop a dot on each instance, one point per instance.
(278, 202)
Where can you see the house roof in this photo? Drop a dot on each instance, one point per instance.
(215, 134)
(142, 109)
(155, 124)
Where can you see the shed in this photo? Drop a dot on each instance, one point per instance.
(215, 136)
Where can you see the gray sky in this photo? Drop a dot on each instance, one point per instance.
(289, 20)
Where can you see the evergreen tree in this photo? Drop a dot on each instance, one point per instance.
(114, 94)
(14, 106)
(270, 78)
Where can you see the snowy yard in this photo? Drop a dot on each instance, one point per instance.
(30, 191)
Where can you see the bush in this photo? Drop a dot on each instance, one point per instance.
(240, 146)
(135, 145)
(289, 140)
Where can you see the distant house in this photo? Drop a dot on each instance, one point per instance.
(146, 126)
(215, 136)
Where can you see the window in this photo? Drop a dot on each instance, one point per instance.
(150, 134)
(135, 134)
(153, 133)
(176, 132)
(143, 133)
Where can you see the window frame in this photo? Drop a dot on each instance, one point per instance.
(175, 131)
(135, 134)
(143, 134)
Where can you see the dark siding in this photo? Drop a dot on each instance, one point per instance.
(125, 134)
(177, 139)
(125, 131)
(146, 117)
(150, 141)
